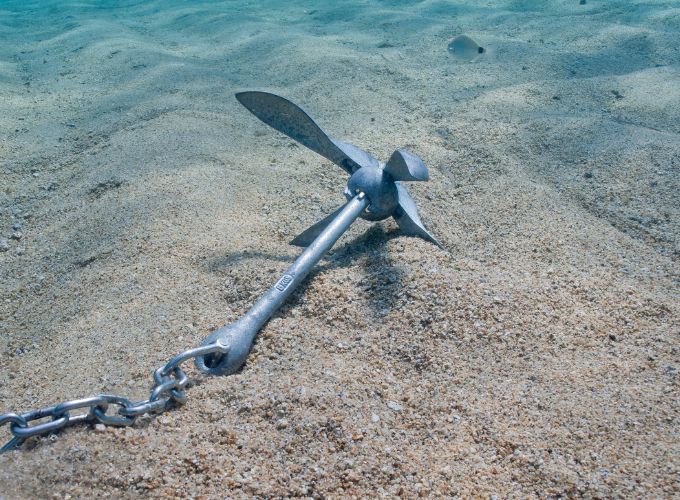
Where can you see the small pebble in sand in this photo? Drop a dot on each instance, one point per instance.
(17, 235)
(393, 405)
(100, 428)
(19, 251)
(4, 245)
(16, 226)
(375, 418)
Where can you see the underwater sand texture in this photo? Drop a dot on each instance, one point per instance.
(537, 356)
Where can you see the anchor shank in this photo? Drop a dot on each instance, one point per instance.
(241, 334)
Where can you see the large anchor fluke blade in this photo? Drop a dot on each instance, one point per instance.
(290, 119)
(408, 219)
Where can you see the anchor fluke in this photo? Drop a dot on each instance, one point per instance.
(405, 166)
(408, 219)
(308, 235)
(290, 119)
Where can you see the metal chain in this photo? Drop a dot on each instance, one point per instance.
(168, 389)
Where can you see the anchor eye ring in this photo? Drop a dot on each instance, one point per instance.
(213, 360)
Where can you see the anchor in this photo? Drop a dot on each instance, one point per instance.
(374, 192)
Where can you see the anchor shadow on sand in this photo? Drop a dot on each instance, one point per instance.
(371, 246)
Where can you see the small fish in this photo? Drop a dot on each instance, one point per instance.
(465, 48)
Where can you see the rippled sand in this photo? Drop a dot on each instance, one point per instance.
(538, 355)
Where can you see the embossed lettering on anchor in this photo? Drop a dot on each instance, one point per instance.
(283, 283)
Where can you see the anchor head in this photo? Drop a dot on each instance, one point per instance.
(379, 188)
(382, 183)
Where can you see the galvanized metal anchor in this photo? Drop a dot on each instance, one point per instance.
(374, 192)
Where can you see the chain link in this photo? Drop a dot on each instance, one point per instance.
(169, 386)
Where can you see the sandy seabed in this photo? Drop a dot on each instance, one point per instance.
(142, 207)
